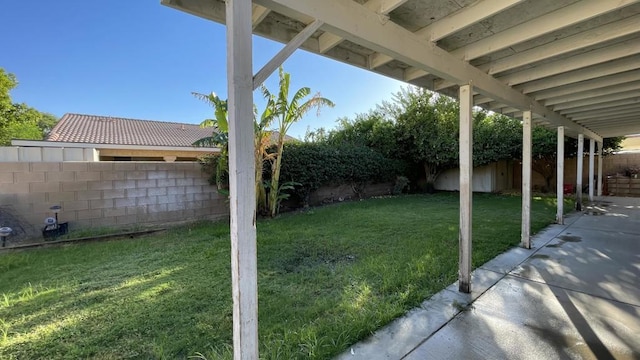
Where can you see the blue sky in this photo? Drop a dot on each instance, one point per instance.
(139, 59)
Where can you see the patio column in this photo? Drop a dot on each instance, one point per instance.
(526, 180)
(600, 168)
(466, 191)
(560, 176)
(242, 180)
(592, 149)
(579, 172)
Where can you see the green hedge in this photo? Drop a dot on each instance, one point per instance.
(313, 165)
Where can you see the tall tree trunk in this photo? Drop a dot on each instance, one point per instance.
(275, 179)
(431, 172)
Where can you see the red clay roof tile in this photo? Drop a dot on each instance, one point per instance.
(95, 129)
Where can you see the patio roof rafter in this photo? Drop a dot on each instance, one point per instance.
(328, 40)
(578, 41)
(561, 18)
(629, 87)
(363, 26)
(453, 23)
(595, 84)
(589, 73)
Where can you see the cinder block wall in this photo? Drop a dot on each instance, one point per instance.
(107, 194)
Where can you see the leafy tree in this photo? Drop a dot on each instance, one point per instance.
(19, 121)
(495, 137)
(287, 112)
(428, 133)
(372, 130)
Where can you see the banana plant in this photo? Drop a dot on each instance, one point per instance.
(287, 112)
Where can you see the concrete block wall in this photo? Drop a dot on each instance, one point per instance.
(107, 194)
(618, 163)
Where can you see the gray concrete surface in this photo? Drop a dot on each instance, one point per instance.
(575, 295)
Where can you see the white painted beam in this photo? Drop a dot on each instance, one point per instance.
(561, 18)
(614, 120)
(466, 190)
(258, 14)
(465, 17)
(412, 73)
(453, 23)
(592, 149)
(598, 116)
(595, 93)
(387, 6)
(594, 84)
(284, 54)
(600, 168)
(603, 55)
(597, 100)
(480, 99)
(579, 41)
(244, 268)
(579, 172)
(625, 133)
(383, 7)
(526, 181)
(572, 77)
(560, 177)
(362, 26)
(621, 131)
(601, 106)
(328, 41)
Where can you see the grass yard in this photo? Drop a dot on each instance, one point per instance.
(327, 278)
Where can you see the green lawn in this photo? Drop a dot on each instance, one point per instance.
(327, 278)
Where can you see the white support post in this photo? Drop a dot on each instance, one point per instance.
(526, 180)
(466, 191)
(592, 150)
(600, 168)
(579, 172)
(560, 176)
(242, 180)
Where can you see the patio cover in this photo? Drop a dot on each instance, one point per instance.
(573, 63)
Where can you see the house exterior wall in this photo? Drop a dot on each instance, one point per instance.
(106, 194)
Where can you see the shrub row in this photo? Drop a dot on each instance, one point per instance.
(312, 165)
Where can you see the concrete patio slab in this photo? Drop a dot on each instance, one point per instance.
(575, 295)
(553, 323)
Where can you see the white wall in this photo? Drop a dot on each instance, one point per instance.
(488, 178)
(46, 154)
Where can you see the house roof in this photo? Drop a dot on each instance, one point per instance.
(79, 128)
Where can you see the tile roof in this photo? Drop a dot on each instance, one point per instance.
(95, 129)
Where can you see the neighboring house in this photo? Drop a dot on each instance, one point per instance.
(78, 137)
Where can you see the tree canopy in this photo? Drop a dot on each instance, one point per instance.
(18, 120)
(422, 127)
